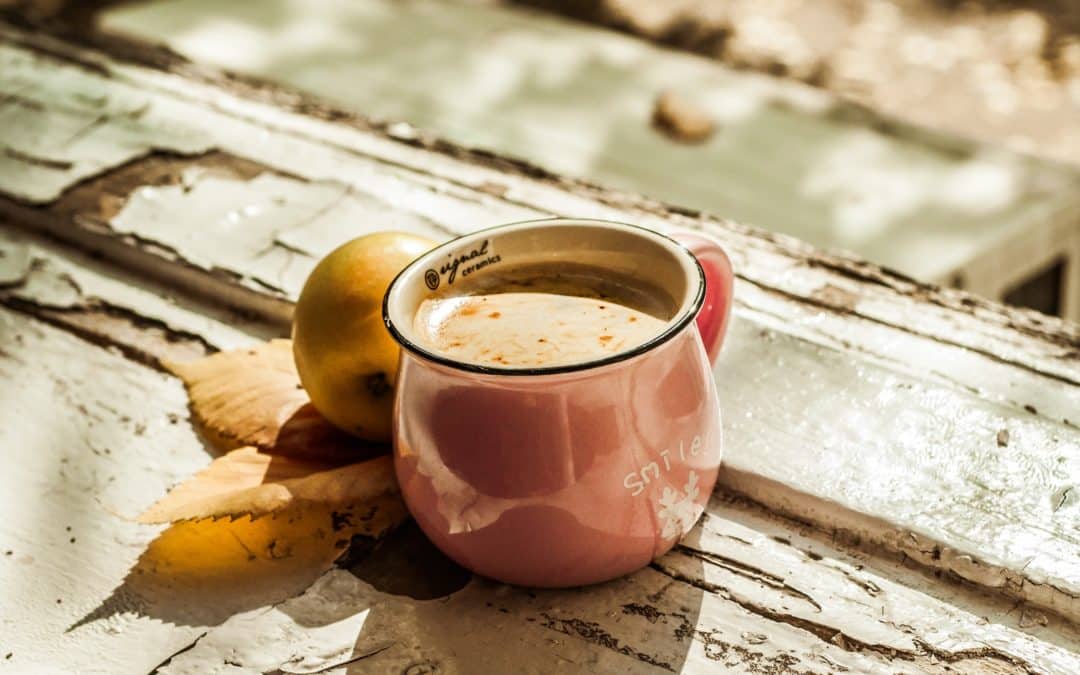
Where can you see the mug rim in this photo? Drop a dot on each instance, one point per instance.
(674, 328)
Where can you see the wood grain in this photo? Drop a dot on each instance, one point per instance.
(578, 101)
(737, 595)
(246, 237)
(101, 436)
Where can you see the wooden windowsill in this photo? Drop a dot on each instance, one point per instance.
(858, 402)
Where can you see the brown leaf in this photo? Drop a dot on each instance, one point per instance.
(681, 119)
(246, 482)
(254, 397)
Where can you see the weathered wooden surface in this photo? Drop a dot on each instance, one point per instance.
(92, 437)
(82, 444)
(99, 435)
(855, 398)
(1002, 72)
(84, 297)
(731, 597)
(929, 380)
(578, 101)
(87, 446)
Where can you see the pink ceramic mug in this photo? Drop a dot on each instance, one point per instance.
(565, 475)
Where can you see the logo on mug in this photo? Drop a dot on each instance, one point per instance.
(464, 262)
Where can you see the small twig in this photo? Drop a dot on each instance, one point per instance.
(377, 649)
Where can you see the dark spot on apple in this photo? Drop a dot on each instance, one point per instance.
(377, 385)
(340, 521)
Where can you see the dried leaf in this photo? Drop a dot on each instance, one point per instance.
(246, 482)
(254, 397)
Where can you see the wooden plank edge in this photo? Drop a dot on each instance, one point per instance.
(155, 262)
(874, 533)
(227, 282)
(93, 49)
(924, 654)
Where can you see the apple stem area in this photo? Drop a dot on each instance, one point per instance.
(899, 489)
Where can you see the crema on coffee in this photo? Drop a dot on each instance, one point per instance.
(542, 316)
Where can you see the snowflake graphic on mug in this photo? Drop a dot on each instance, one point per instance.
(678, 511)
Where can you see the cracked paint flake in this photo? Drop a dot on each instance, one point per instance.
(231, 224)
(326, 161)
(273, 227)
(97, 439)
(72, 423)
(861, 427)
(279, 638)
(41, 276)
(693, 630)
(701, 615)
(56, 132)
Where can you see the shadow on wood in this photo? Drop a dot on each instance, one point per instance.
(419, 608)
(406, 563)
(199, 573)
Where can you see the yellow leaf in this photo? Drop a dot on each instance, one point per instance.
(247, 482)
(254, 397)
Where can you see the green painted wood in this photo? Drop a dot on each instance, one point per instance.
(578, 100)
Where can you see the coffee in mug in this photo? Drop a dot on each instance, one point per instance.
(541, 315)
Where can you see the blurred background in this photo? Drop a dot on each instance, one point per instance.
(938, 138)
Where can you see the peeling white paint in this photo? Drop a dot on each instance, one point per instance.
(89, 443)
(393, 182)
(76, 400)
(273, 227)
(91, 440)
(778, 264)
(743, 576)
(528, 84)
(920, 456)
(37, 272)
(85, 131)
(925, 360)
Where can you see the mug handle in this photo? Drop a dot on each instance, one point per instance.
(712, 320)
